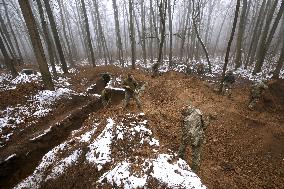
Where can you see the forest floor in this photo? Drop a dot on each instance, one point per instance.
(66, 138)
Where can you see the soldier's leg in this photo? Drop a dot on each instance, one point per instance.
(126, 99)
(253, 103)
(196, 153)
(137, 100)
(229, 89)
(182, 147)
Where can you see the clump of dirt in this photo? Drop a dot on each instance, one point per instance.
(273, 98)
(18, 95)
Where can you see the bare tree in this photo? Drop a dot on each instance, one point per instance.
(280, 63)
(7, 59)
(266, 38)
(56, 36)
(241, 31)
(195, 13)
(118, 36)
(92, 61)
(37, 46)
(132, 34)
(229, 44)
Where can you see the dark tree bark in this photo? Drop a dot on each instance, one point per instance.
(47, 38)
(92, 61)
(280, 63)
(12, 31)
(171, 34)
(118, 36)
(242, 25)
(56, 36)
(7, 59)
(267, 37)
(229, 44)
(37, 46)
(132, 35)
(198, 36)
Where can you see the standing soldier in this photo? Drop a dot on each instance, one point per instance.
(106, 97)
(131, 86)
(228, 81)
(193, 127)
(255, 93)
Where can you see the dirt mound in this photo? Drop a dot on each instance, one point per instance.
(18, 95)
(273, 98)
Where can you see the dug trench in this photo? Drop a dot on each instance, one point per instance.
(30, 153)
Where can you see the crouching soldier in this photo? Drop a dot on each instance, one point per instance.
(131, 86)
(106, 97)
(228, 81)
(193, 127)
(256, 92)
(200, 69)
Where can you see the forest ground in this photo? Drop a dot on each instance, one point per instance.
(243, 148)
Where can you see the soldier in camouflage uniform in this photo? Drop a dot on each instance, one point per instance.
(106, 97)
(131, 86)
(193, 127)
(256, 92)
(228, 81)
(200, 69)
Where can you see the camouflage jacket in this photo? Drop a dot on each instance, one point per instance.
(258, 88)
(130, 84)
(229, 78)
(193, 127)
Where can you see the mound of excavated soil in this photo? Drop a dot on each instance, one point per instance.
(273, 98)
(18, 95)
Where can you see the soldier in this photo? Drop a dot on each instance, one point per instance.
(188, 70)
(193, 127)
(228, 81)
(256, 92)
(106, 78)
(106, 97)
(200, 69)
(131, 91)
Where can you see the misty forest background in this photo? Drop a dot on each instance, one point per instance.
(248, 33)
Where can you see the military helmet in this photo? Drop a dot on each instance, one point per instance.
(189, 110)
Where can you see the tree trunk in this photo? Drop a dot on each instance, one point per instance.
(255, 36)
(7, 59)
(229, 45)
(92, 61)
(267, 38)
(47, 37)
(171, 34)
(56, 36)
(280, 63)
(132, 35)
(12, 31)
(37, 46)
(143, 32)
(198, 36)
(118, 36)
(242, 26)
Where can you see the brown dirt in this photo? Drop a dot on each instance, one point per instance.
(243, 149)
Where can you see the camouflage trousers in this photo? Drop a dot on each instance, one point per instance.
(196, 154)
(227, 89)
(128, 96)
(253, 102)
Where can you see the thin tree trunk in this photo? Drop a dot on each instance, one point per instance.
(280, 63)
(241, 31)
(171, 34)
(47, 38)
(199, 38)
(267, 38)
(143, 32)
(132, 35)
(229, 45)
(118, 36)
(12, 31)
(37, 46)
(92, 61)
(7, 59)
(55, 35)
